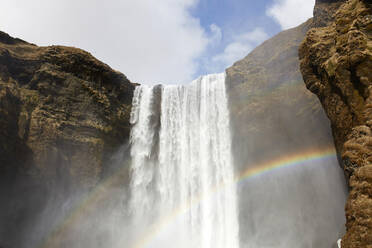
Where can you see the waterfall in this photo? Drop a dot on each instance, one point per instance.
(182, 179)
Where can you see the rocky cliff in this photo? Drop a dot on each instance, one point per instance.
(273, 115)
(271, 109)
(62, 114)
(336, 64)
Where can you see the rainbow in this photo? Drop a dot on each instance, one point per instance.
(296, 159)
(301, 158)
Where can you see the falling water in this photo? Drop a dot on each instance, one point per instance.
(182, 189)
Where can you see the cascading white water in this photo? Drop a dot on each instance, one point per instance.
(182, 177)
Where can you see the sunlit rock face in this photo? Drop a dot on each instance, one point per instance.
(274, 116)
(62, 112)
(336, 63)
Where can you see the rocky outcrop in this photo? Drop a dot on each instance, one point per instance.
(336, 64)
(62, 114)
(60, 107)
(324, 12)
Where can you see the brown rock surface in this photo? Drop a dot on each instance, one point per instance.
(324, 12)
(62, 114)
(63, 106)
(336, 63)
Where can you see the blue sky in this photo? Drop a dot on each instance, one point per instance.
(234, 17)
(155, 41)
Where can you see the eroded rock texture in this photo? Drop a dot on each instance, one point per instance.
(324, 12)
(336, 63)
(62, 114)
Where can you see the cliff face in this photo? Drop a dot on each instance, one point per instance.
(274, 115)
(271, 110)
(60, 106)
(336, 64)
(62, 114)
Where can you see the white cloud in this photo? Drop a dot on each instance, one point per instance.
(291, 13)
(216, 36)
(238, 48)
(149, 41)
